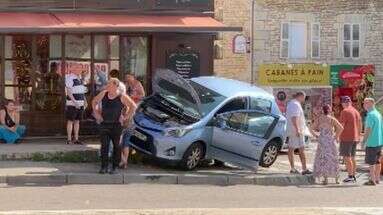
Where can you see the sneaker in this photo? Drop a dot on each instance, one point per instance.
(103, 171)
(350, 179)
(307, 172)
(294, 171)
(370, 183)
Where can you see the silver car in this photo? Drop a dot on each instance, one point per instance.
(187, 121)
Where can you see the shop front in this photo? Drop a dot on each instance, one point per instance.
(287, 79)
(323, 84)
(39, 49)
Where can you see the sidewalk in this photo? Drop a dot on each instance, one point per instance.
(60, 164)
(44, 173)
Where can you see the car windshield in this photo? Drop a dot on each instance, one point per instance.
(183, 99)
(209, 98)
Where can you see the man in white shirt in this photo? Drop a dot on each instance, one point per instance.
(75, 104)
(296, 125)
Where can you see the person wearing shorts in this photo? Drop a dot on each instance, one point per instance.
(350, 137)
(296, 125)
(373, 140)
(75, 105)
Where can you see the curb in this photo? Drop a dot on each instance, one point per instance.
(181, 179)
(55, 156)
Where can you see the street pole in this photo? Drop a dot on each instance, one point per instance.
(252, 57)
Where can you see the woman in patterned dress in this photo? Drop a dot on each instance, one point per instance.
(326, 164)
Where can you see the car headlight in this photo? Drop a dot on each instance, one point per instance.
(176, 132)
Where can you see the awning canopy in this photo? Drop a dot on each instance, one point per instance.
(87, 22)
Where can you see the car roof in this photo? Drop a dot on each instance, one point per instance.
(230, 87)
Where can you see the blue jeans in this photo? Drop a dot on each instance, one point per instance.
(11, 137)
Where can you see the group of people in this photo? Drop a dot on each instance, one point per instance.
(347, 131)
(113, 108)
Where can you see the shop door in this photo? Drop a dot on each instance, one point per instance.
(33, 79)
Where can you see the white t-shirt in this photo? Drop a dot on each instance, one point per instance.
(75, 84)
(294, 109)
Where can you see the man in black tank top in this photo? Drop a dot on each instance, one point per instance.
(108, 107)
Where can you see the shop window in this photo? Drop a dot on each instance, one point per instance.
(293, 37)
(106, 58)
(315, 40)
(351, 40)
(18, 66)
(135, 57)
(55, 46)
(77, 46)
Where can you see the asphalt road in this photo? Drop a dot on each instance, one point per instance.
(178, 196)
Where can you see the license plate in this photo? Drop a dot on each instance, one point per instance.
(139, 135)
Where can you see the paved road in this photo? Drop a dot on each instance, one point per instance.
(179, 196)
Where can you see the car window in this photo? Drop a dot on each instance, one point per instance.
(259, 124)
(237, 121)
(260, 105)
(234, 105)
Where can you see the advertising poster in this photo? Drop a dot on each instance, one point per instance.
(356, 81)
(316, 98)
(284, 75)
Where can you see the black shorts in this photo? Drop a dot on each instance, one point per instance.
(373, 155)
(74, 114)
(347, 149)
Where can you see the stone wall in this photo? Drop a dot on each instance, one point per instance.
(269, 14)
(233, 13)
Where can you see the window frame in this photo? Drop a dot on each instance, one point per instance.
(289, 38)
(351, 40)
(315, 39)
(263, 100)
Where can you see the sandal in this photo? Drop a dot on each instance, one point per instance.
(69, 142)
(370, 183)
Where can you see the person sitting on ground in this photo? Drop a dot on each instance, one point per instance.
(10, 130)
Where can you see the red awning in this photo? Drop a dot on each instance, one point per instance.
(86, 22)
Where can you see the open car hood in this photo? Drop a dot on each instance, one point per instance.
(170, 84)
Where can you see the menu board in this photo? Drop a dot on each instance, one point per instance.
(184, 63)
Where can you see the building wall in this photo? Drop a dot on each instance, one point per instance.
(233, 13)
(269, 14)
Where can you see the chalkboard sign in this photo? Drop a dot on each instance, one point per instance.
(184, 62)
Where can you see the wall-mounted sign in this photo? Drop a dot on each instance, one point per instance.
(240, 44)
(184, 62)
(293, 75)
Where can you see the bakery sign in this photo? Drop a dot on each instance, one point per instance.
(294, 75)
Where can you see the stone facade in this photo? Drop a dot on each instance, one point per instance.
(331, 15)
(233, 13)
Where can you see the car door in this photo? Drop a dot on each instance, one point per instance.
(239, 137)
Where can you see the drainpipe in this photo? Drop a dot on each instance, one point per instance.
(252, 57)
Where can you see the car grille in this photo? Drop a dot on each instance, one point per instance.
(146, 145)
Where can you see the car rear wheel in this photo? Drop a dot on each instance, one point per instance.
(192, 156)
(269, 154)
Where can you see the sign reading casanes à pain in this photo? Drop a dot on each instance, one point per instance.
(293, 75)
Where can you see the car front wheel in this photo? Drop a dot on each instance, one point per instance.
(269, 154)
(192, 156)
